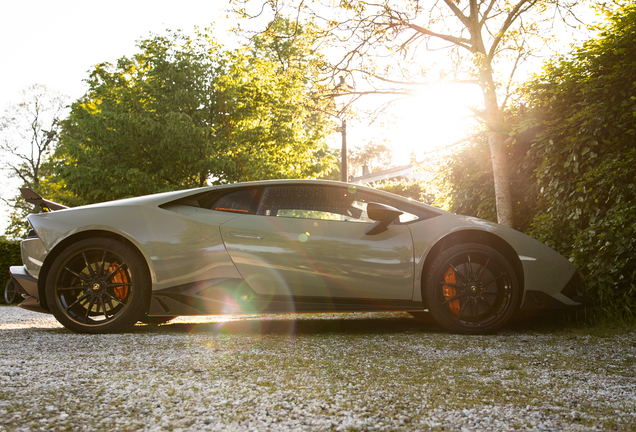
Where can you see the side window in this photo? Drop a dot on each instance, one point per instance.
(323, 202)
(311, 202)
(240, 201)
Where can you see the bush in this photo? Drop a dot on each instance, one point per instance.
(407, 188)
(9, 256)
(586, 161)
(464, 182)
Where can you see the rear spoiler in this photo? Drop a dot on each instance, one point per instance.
(35, 199)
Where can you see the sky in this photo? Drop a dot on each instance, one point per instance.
(56, 43)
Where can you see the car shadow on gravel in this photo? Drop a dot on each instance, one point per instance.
(352, 324)
(384, 325)
(315, 324)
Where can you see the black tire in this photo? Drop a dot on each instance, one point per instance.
(471, 289)
(98, 285)
(156, 320)
(10, 292)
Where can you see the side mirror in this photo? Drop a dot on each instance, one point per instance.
(383, 215)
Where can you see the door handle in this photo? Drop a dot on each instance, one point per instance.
(238, 234)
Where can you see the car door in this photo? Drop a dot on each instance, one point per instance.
(309, 241)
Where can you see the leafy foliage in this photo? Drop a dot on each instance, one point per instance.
(9, 256)
(464, 182)
(585, 157)
(376, 156)
(413, 189)
(184, 112)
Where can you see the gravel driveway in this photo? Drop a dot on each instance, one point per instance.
(311, 372)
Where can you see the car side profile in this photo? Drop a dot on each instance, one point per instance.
(281, 246)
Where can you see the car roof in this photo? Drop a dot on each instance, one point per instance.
(164, 198)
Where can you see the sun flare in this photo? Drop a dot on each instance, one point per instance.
(432, 119)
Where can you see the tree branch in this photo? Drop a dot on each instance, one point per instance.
(458, 13)
(464, 43)
(510, 19)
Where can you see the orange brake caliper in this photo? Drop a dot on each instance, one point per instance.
(120, 277)
(449, 291)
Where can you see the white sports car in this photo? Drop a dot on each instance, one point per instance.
(281, 246)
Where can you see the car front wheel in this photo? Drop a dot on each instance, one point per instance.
(98, 285)
(471, 289)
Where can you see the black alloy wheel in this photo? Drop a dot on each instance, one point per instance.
(10, 292)
(98, 285)
(472, 289)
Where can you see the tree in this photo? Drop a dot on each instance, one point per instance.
(485, 41)
(286, 135)
(376, 156)
(29, 131)
(183, 112)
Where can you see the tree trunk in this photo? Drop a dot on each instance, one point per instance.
(497, 139)
(501, 178)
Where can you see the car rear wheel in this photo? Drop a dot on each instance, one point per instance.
(98, 285)
(471, 289)
(9, 292)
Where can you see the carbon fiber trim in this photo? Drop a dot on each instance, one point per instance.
(234, 296)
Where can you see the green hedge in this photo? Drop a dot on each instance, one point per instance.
(572, 163)
(585, 156)
(413, 189)
(9, 256)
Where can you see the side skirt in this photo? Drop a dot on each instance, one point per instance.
(233, 296)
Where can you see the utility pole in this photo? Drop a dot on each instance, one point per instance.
(343, 154)
(344, 177)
